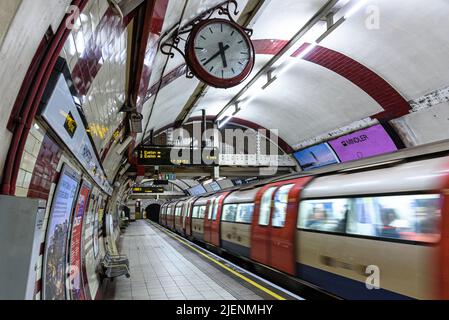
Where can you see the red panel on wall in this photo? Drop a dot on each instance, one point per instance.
(45, 171)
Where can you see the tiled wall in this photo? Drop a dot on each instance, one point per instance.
(31, 153)
(96, 52)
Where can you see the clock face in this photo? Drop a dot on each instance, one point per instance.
(221, 52)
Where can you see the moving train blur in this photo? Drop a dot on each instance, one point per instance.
(224, 150)
(330, 230)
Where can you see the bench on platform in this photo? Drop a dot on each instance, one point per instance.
(114, 266)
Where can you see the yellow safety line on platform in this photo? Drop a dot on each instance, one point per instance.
(255, 284)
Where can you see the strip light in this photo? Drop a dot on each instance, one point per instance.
(355, 8)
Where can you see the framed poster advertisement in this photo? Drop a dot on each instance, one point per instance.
(54, 275)
(96, 226)
(316, 156)
(363, 144)
(76, 281)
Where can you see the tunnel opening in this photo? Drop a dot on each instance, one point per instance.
(153, 211)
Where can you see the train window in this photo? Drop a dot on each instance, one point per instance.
(405, 217)
(265, 207)
(195, 212)
(202, 212)
(409, 217)
(229, 212)
(210, 206)
(245, 213)
(280, 206)
(216, 205)
(178, 211)
(324, 215)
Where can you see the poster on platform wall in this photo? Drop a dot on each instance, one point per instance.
(62, 115)
(96, 226)
(55, 254)
(76, 279)
(88, 262)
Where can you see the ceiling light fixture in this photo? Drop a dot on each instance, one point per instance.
(353, 9)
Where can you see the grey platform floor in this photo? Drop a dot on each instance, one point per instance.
(162, 268)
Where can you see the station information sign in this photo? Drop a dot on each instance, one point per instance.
(148, 190)
(169, 156)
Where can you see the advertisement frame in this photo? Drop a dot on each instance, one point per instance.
(88, 186)
(68, 171)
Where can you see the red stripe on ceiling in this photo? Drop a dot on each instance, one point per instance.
(381, 91)
(152, 34)
(386, 96)
(269, 46)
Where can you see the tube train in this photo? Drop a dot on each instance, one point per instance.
(386, 226)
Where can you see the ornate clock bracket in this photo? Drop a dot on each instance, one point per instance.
(228, 8)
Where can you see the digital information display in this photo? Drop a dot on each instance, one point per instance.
(316, 157)
(149, 190)
(363, 144)
(55, 255)
(76, 282)
(165, 156)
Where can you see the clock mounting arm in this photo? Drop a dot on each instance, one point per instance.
(179, 35)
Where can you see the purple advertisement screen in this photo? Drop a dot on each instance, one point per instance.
(363, 144)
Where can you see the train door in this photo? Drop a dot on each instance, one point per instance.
(184, 210)
(188, 219)
(178, 217)
(208, 220)
(171, 216)
(216, 220)
(283, 226)
(260, 231)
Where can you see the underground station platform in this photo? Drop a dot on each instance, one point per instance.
(165, 266)
(255, 157)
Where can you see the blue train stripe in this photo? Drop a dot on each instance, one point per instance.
(344, 287)
(236, 248)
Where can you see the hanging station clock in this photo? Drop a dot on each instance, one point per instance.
(220, 53)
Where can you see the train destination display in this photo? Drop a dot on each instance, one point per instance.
(148, 190)
(166, 156)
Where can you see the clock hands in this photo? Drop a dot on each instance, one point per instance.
(220, 52)
(223, 54)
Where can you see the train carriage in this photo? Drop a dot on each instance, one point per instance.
(238, 210)
(198, 214)
(386, 220)
(178, 216)
(338, 231)
(212, 219)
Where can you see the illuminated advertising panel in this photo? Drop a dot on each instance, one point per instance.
(315, 157)
(76, 281)
(62, 115)
(55, 255)
(197, 190)
(363, 144)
